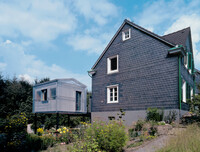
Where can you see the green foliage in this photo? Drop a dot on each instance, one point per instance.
(171, 117)
(154, 114)
(36, 143)
(195, 104)
(87, 144)
(139, 125)
(135, 144)
(121, 115)
(110, 137)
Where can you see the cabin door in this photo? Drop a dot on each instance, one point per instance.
(78, 101)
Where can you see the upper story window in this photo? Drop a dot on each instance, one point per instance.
(112, 94)
(126, 34)
(53, 93)
(112, 64)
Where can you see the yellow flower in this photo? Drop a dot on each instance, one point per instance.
(64, 131)
(65, 128)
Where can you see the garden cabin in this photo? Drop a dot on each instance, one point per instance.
(60, 96)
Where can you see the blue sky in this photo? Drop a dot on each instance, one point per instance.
(62, 39)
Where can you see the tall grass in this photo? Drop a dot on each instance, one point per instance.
(186, 141)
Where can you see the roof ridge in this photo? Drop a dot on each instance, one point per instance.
(176, 31)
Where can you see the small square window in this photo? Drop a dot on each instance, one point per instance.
(126, 34)
(112, 94)
(112, 64)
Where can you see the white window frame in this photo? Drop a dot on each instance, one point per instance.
(184, 90)
(108, 93)
(124, 35)
(109, 71)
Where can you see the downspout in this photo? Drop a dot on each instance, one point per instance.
(179, 79)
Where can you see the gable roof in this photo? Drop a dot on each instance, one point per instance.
(170, 39)
(178, 37)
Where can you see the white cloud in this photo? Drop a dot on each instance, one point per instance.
(99, 11)
(39, 20)
(90, 42)
(161, 14)
(192, 21)
(29, 67)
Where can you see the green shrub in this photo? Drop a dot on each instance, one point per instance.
(36, 143)
(171, 117)
(139, 125)
(154, 114)
(110, 137)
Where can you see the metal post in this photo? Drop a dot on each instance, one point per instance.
(57, 121)
(35, 128)
(68, 119)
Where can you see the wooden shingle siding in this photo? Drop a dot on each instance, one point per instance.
(147, 77)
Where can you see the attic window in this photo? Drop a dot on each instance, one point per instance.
(112, 64)
(126, 34)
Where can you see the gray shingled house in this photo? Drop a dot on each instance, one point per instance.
(139, 69)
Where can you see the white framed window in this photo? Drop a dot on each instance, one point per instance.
(38, 95)
(112, 64)
(53, 93)
(126, 34)
(183, 90)
(112, 94)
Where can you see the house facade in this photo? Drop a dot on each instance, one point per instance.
(139, 69)
(60, 96)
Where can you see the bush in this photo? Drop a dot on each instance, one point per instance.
(171, 117)
(65, 135)
(154, 114)
(36, 143)
(109, 137)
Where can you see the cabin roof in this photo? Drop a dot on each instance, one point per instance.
(64, 80)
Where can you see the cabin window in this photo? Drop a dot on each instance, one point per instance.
(78, 100)
(44, 95)
(183, 90)
(112, 64)
(126, 34)
(38, 95)
(112, 94)
(53, 93)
